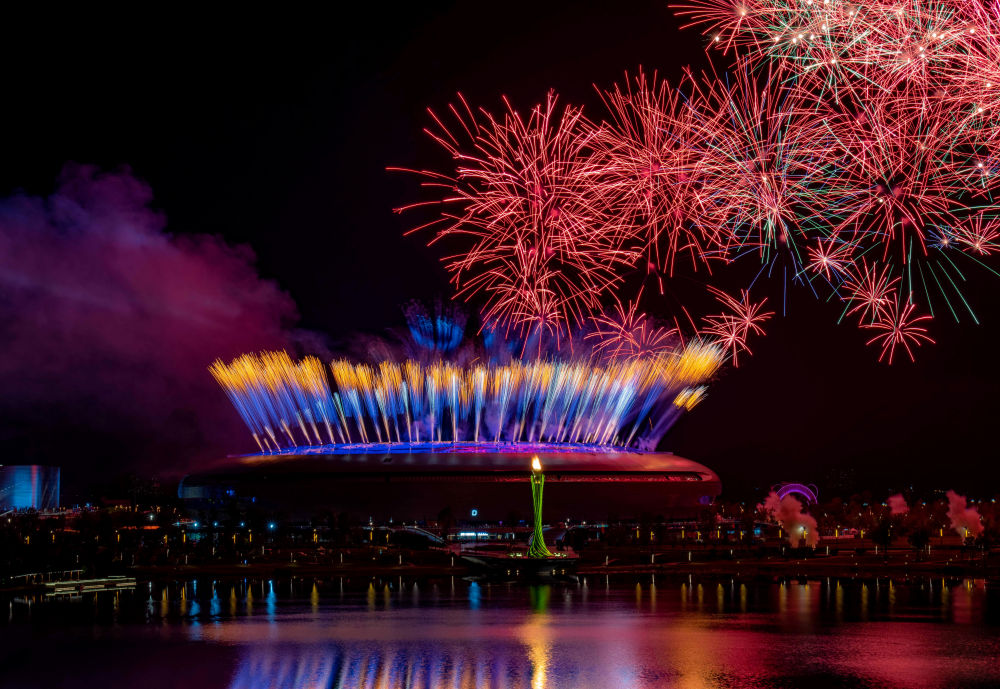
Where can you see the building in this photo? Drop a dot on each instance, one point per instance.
(29, 486)
(484, 482)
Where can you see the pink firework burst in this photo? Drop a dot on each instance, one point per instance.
(892, 184)
(648, 156)
(981, 233)
(814, 41)
(734, 327)
(910, 45)
(728, 23)
(625, 334)
(526, 201)
(898, 326)
(869, 291)
(830, 258)
(757, 164)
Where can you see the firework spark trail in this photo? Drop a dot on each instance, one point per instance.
(854, 148)
(647, 159)
(741, 319)
(527, 197)
(543, 401)
(760, 166)
(895, 107)
(628, 334)
(898, 326)
(980, 233)
(869, 292)
(312, 379)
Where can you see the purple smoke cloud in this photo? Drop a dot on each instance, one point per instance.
(110, 321)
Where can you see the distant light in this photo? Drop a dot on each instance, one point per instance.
(272, 526)
(215, 523)
(195, 525)
(475, 512)
(243, 524)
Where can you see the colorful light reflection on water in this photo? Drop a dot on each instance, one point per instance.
(693, 633)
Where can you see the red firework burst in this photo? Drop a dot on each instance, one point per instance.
(648, 157)
(830, 258)
(734, 328)
(898, 326)
(892, 184)
(980, 233)
(728, 23)
(869, 291)
(859, 143)
(757, 162)
(626, 334)
(526, 199)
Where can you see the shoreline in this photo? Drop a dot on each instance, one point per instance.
(808, 567)
(794, 569)
(897, 564)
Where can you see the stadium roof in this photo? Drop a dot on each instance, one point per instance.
(464, 458)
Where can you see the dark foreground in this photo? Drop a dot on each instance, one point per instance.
(600, 631)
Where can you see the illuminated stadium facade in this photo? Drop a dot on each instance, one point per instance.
(440, 432)
(484, 481)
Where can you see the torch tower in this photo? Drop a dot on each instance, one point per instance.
(537, 547)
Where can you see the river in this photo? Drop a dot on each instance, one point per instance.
(686, 632)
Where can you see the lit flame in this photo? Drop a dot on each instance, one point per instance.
(535, 464)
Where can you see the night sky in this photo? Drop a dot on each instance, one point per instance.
(268, 136)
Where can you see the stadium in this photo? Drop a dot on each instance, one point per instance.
(470, 481)
(444, 436)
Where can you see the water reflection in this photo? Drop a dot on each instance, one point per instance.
(537, 637)
(368, 668)
(789, 630)
(691, 633)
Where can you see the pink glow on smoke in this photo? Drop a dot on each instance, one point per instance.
(897, 504)
(787, 511)
(110, 320)
(965, 520)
